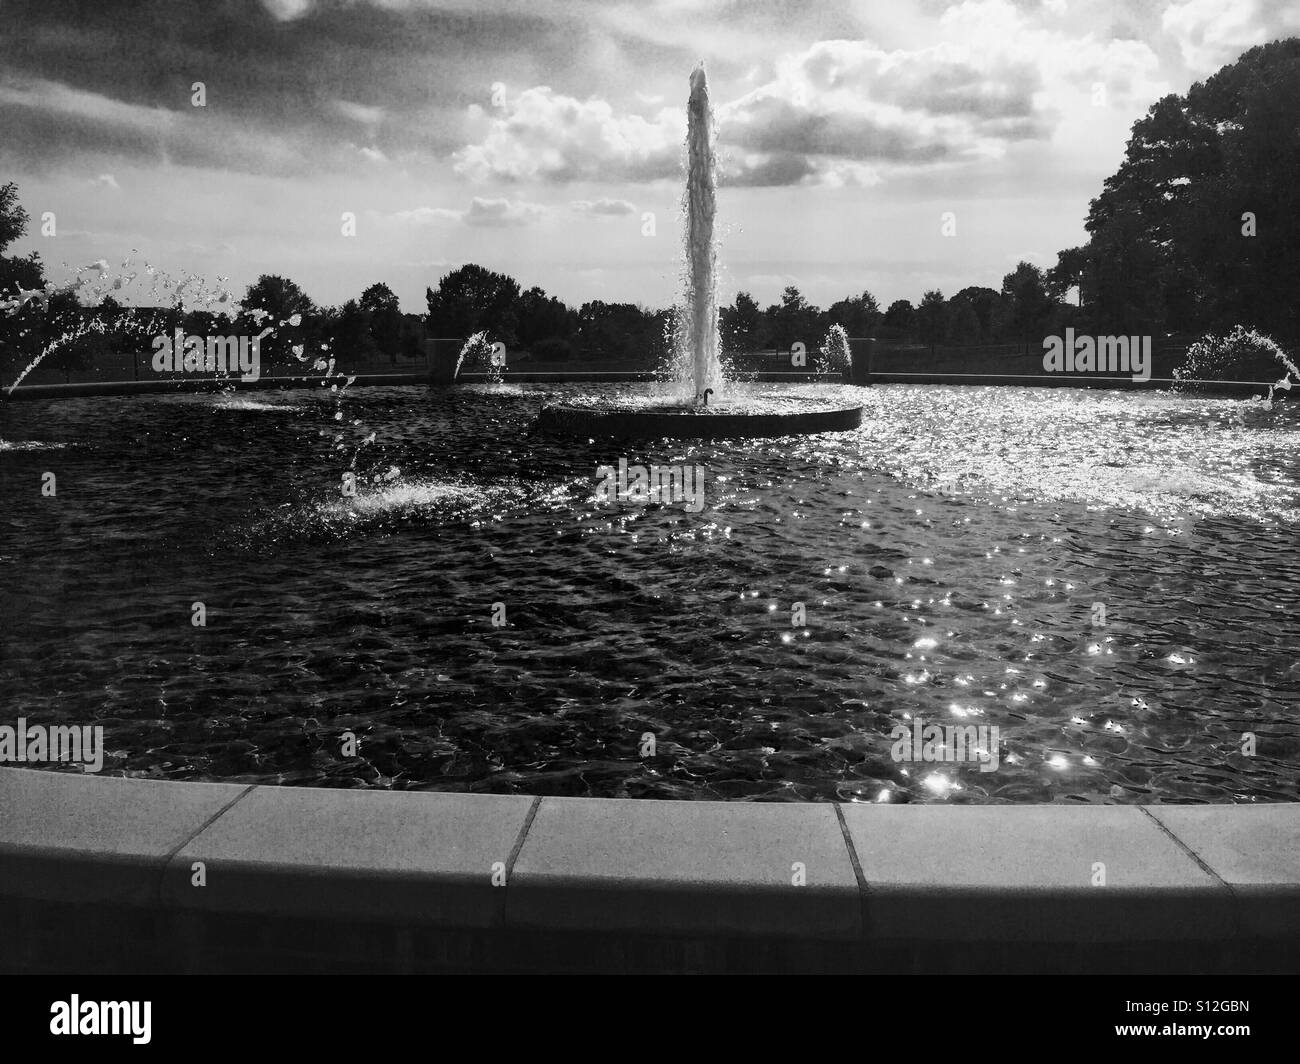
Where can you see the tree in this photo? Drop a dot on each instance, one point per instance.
(379, 299)
(859, 315)
(1198, 226)
(473, 299)
(542, 317)
(794, 320)
(900, 318)
(27, 272)
(350, 335)
(270, 303)
(13, 219)
(620, 330)
(932, 318)
(1029, 307)
(1072, 270)
(278, 296)
(741, 324)
(1128, 279)
(963, 324)
(19, 329)
(985, 308)
(385, 316)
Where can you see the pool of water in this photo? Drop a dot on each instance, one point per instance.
(947, 557)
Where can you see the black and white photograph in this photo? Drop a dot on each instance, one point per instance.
(649, 487)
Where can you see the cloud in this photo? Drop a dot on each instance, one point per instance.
(277, 95)
(481, 213)
(543, 135)
(996, 80)
(47, 119)
(840, 112)
(107, 181)
(1210, 33)
(603, 208)
(424, 216)
(502, 212)
(359, 113)
(287, 10)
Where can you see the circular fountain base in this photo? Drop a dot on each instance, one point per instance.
(795, 418)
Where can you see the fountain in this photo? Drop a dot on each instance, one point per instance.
(701, 205)
(692, 417)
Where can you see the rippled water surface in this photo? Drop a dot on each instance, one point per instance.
(947, 556)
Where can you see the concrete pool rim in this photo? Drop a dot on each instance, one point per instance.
(866, 879)
(559, 419)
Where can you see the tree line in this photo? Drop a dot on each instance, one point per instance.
(1196, 231)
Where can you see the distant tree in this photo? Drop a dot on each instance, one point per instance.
(932, 318)
(963, 324)
(277, 296)
(794, 320)
(271, 303)
(542, 317)
(984, 305)
(619, 331)
(472, 299)
(385, 313)
(900, 318)
(1028, 305)
(1072, 270)
(741, 324)
(859, 315)
(379, 299)
(349, 333)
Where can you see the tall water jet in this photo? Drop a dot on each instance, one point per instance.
(701, 255)
(696, 352)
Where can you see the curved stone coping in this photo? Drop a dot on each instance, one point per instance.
(596, 423)
(184, 385)
(1070, 380)
(908, 873)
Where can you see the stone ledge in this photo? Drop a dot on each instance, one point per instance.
(1031, 873)
(405, 856)
(876, 880)
(624, 865)
(97, 839)
(1255, 851)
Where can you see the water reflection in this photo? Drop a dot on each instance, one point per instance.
(947, 557)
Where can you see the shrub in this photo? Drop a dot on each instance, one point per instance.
(1241, 355)
(553, 349)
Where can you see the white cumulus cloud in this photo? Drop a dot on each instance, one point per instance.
(544, 135)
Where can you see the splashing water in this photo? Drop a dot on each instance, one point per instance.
(479, 353)
(836, 356)
(90, 285)
(1286, 381)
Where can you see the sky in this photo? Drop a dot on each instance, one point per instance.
(545, 138)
